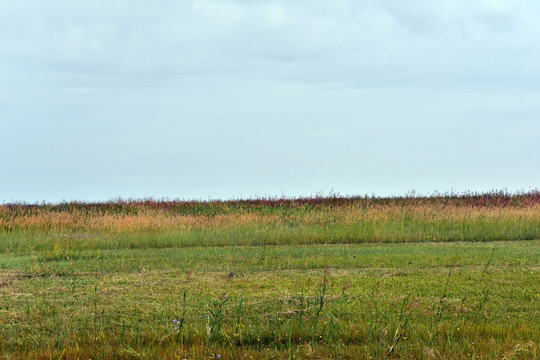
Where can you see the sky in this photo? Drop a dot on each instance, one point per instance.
(201, 99)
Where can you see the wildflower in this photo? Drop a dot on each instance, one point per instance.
(175, 321)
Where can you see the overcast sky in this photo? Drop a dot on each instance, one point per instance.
(227, 99)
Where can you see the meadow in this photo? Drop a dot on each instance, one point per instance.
(440, 277)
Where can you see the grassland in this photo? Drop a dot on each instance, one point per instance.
(444, 277)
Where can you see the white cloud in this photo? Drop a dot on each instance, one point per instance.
(323, 40)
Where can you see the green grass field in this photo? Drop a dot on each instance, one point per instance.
(407, 279)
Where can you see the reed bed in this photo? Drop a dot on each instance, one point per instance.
(485, 217)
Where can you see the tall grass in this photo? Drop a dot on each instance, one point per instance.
(141, 224)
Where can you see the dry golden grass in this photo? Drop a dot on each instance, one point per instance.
(160, 220)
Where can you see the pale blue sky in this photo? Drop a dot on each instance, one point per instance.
(227, 99)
